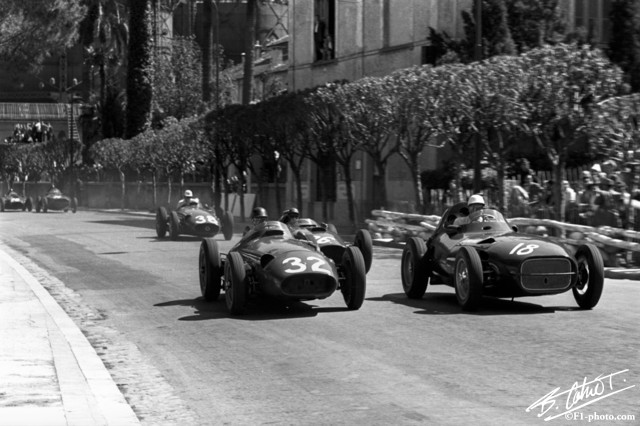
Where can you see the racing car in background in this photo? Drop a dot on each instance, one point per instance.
(55, 200)
(489, 257)
(330, 242)
(269, 262)
(13, 201)
(193, 219)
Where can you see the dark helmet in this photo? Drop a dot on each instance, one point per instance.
(259, 212)
(293, 212)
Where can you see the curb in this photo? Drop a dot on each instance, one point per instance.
(111, 403)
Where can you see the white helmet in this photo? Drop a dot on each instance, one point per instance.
(188, 193)
(475, 199)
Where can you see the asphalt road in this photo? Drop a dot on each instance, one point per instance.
(180, 360)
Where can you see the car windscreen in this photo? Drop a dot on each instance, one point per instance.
(487, 220)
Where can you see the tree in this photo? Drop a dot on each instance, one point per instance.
(373, 118)
(32, 30)
(534, 23)
(624, 45)
(114, 153)
(139, 68)
(496, 35)
(249, 41)
(104, 34)
(177, 80)
(564, 84)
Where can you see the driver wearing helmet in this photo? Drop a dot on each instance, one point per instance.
(186, 199)
(258, 216)
(475, 203)
(290, 217)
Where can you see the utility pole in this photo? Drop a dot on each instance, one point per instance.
(477, 175)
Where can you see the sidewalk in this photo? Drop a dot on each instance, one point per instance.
(50, 374)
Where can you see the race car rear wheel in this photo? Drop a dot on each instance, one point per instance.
(162, 217)
(174, 225)
(74, 205)
(414, 272)
(468, 278)
(210, 269)
(355, 283)
(29, 203)
(45, 205)
(1, 205)
(590, 283)
(38, 204)
(364, 242)
(227, 225)
(236, 280)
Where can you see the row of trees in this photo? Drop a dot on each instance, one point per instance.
(560, 98)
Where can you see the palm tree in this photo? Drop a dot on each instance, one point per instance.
(104, 34)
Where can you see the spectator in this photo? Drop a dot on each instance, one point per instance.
(534, 190)
(570, 202)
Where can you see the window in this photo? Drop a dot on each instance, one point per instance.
(324, 30)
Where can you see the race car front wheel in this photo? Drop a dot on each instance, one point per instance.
(162, 217)
(174, 226)
(210, 270)
(364, 242)
(236, 283)
(355, 283)
(590, 283)
(414, 273)
(468, 278)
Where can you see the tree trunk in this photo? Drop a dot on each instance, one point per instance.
(298, 179)
(417, 184)
(346, 168)
(380, 183)
(123, 187)
(207, 10)
(154, 179)
(249, 41)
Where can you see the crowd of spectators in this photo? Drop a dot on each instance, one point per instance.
(600, 197)
(38, 131)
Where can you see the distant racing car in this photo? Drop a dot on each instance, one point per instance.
(489, 257)
(55, 200)
(269, 262)
(13, 201)
(193, 219)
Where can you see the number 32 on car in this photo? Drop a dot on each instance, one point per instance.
(313, 263)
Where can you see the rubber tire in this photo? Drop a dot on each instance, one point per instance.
(364, 242)
(174, 225)
(227, 225)
(355, 282)
(24, 205)
(45, 205)
(414, 272)
(236, 277)
(1, 205)
(210, 269)
(38, 204)
(74, 205)
(162, 218)
(468, 268)
(591, 270)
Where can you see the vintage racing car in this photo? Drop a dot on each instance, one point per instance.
(330, 242)
(54, 200)
(270, 262)
(489, 257)
(193, 219)
(13, 201)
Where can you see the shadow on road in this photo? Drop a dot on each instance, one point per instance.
(136, 223)
(257, 310)
(446, 304)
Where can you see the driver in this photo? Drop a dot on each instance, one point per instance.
(290, 217)
(475, 203)
(187, 199)
(258, 216)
